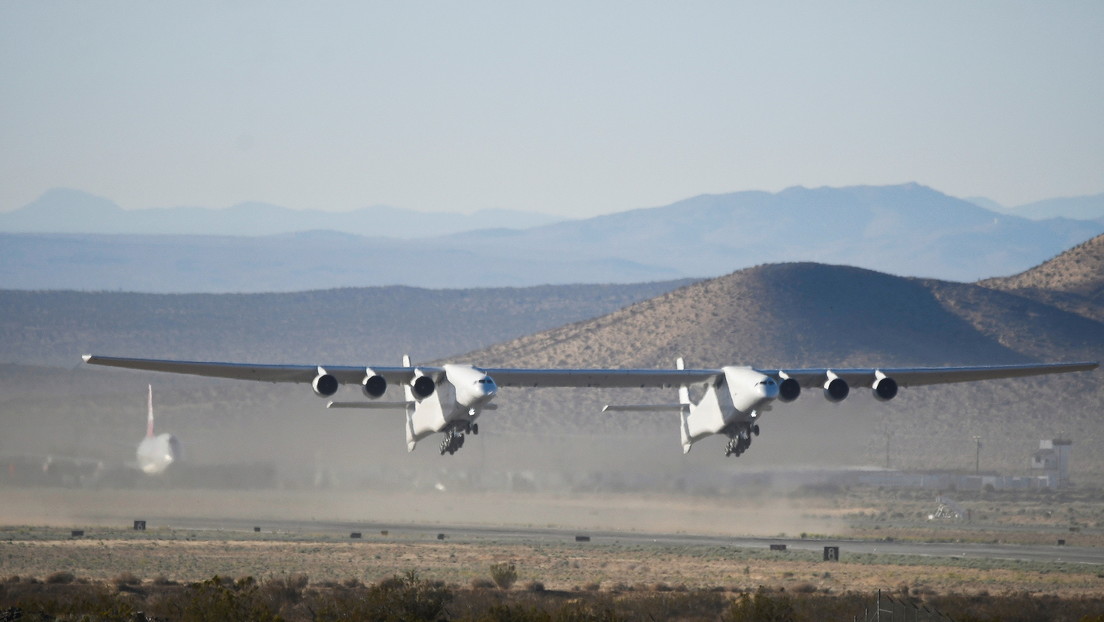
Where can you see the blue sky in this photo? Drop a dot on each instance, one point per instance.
(571, 108)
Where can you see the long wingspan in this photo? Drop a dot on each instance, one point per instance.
(730, 401)
(598, 378)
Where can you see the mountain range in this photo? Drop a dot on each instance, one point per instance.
(64, 210)
(906, 230)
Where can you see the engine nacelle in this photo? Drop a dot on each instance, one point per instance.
(789, 390)
(373, 386)
(423, 387)
(885, 388)
(324, 385)
(836, 389)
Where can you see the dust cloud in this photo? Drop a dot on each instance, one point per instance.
(275, 452)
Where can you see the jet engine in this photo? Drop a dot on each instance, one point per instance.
(836, 389)
(423, 387)
(374, 386)
(885, 388)
(788, 390)
(324, 384)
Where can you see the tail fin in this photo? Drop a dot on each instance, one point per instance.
(408, 392)
(684, 412)
(149, 418)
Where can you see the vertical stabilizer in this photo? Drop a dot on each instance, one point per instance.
(408, 393)
(149, 417)
(684, 412)
(410, 440)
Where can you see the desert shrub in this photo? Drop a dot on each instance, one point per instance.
(126, 578)
(61, 576)
(804, 588)
(761, 607)
(534, 586)
(397, 598)
(216, 599)
(593, 586)
(482, 584)
(285, 591)
(503, 574)
(672, 606)
(403, 597)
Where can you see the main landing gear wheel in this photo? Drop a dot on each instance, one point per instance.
(452, 443)
(740, 441)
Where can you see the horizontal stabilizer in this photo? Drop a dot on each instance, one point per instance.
(651, 408)
(383, 405)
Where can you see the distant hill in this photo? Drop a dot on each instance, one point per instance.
(906, 230)
(806, 314)
(1077, 208)
(1073, 281)
(342, 326)
(64, 210)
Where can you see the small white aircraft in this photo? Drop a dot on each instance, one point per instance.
(156, 453)
(448, 399)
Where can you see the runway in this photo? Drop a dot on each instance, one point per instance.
(474, 533)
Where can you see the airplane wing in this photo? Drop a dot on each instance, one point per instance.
(600, 378)
(920, 376)
(262, 373)
(597, 378)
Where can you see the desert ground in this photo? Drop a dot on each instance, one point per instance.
(192, 535)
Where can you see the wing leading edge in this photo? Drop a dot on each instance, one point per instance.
(596, 378)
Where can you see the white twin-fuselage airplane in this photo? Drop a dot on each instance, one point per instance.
(448, 399)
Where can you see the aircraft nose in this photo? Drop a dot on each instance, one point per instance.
(489, 387)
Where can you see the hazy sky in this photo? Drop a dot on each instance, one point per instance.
(573, 108)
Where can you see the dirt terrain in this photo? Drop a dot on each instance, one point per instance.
(109, 547)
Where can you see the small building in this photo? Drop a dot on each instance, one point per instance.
(1053, 458)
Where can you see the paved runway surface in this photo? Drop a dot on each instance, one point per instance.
(1054, 553)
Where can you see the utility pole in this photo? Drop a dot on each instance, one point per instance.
(977, 455)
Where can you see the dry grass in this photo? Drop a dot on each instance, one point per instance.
(173, 557)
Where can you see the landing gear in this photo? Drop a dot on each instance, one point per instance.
(739, 440)
(454, 437)
(452, 442)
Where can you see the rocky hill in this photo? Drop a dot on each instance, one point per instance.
(1073, 280)
(808, 314)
